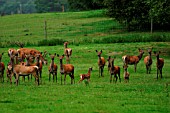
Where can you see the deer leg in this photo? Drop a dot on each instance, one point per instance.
(119, 77)
(157, 72)
(161, 72)
(49, 76)
(56, 76)
(110, 78)
(135, 65)
(53, 76)
(146, 69)
(99, 71)
(16, 80)
(64, 79)
(61, 79)
(115, 77)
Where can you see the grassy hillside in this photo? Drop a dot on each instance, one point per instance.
(75, 27)
(143, 94)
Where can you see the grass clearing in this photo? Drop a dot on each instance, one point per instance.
(143, 93)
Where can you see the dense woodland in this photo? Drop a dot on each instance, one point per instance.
(134, 14)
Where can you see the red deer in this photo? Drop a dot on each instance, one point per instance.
(12, 51)
(126, 73)
(101, 63)
(22, 70)
(2, 68)
(66, 69)
(159, 63)
(52, 68)
(114, 70)
(85, 76)
(133, 60)
(148, 61)
(67, 52)
(33, 52)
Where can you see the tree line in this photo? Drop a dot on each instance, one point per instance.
(133, 14)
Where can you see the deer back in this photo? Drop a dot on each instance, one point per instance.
(68, 68)
(24, 70)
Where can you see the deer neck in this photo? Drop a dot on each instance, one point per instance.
(61, 66)
(150, 55)
(158, 59)
(140, 56)
(52, 63)
(112, 65)
(89, 72)
(65, 46)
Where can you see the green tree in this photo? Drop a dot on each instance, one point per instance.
(50, 5)
(137, 14)
(79, 5)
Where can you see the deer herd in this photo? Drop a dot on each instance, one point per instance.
(22, 63)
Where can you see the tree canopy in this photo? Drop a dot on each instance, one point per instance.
(138, 14)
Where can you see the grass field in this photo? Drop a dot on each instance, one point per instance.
(143, 94)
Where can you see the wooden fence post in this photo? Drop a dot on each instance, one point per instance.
(45, 30)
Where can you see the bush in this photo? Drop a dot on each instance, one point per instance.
(51, 42)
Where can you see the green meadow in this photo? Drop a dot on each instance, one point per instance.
(86, 32)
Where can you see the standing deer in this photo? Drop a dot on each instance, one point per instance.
(67, 52)
(22, 70)
(2, 68)
(114, 70)
(33, 52)
(148, 61)
(159, 63)
(86, 76)
(52, 68)
(133, 60)
(66, 69)
(126, 73)
(101, 63)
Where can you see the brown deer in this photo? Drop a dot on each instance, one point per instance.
(114, 70)
(22, 70)
(101, 63)
(86, 76)
(148, 61)
(2, 68)
(52, 68)
(33, 52)
(133, 60)
(126, 73)
(67, 52)
(12, 51)
(159, 63)
(66, 69)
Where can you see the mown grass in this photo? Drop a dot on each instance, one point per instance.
(143, 93)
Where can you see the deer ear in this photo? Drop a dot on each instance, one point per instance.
(96, 51)
(159, 52)
(101, 51)
(63, 55)
(58, 55)
(55, 54)
(2, 53)
(154, 52)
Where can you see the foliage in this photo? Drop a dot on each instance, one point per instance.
(51, 42)
(79, 5)
(137, 14)
(17, 6)
(43, 6)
